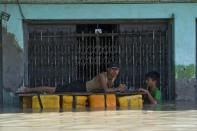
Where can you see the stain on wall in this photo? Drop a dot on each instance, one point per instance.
(12, 62)
(185, 71)
(185, 82)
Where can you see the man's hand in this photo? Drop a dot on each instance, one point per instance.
(144, 90)
(122, 87)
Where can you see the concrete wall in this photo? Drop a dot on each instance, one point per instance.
(93, 1)
(184, 34)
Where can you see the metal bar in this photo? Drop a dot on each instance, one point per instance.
(140, 60)
(99, 54)
(153, 55)
(126, 42)
(96, 55)
(90, 58)
(112, 40)
(160, 58)
(133, 61)
(147, 55)
(105, 52)
(79, 58)
(71, 59)
(165, 55)
(83, 55)
(86, 58)
(76, 57)
(94, 35)
(119, 50)
(93, 57)
(41, 58)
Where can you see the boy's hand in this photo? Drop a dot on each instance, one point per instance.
(144, 90)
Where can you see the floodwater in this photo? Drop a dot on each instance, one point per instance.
(167, 117)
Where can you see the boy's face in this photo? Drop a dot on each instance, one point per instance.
(150, 82)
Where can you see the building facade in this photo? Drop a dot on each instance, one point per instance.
(116, 18)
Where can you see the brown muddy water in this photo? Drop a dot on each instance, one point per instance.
(166, 117)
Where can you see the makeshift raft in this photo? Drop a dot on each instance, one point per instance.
(69, 101)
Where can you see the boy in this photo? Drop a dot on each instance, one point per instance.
(152, 91)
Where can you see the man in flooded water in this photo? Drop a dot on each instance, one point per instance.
(103, 82)
(152, 92)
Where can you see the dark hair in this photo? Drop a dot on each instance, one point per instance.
(113, 65)
(153, 75)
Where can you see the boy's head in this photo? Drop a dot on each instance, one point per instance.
(152, 78)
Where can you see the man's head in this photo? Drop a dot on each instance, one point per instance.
(152, 78)
(113, 69)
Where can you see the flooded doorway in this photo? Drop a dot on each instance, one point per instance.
(59, 52)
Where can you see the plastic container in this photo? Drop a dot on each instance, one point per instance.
(132, 101)
(48, 102)
(111, 100)
(67, 102)
(97, 101)
(81, 101)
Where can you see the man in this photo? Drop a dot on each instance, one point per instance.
(103, 82)
(153, 94)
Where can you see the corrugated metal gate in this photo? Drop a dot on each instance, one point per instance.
(57, 54)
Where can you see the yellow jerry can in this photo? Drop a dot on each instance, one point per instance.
(81, 101)
(48, 102)
(97, 101)
(132, 101)
(67, 102)
(111, 100)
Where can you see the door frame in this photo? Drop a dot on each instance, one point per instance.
(196, 59)
(170, 21)
(1, 65)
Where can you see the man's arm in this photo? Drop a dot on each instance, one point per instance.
(120, 88)
(37, 89)
(110, 89)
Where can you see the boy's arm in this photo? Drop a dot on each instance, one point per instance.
(150, 97)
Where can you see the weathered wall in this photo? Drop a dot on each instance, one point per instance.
(185, 82)
(184, 33)
(12, 62)
(12, 68)
(94, 1)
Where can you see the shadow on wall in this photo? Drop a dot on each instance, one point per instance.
(13, 66)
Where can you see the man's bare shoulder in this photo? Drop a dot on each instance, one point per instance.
(102, 75)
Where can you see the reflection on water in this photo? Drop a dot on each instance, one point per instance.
(152, 118)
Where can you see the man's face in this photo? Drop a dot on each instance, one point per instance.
(114, 72)
(150, 82)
